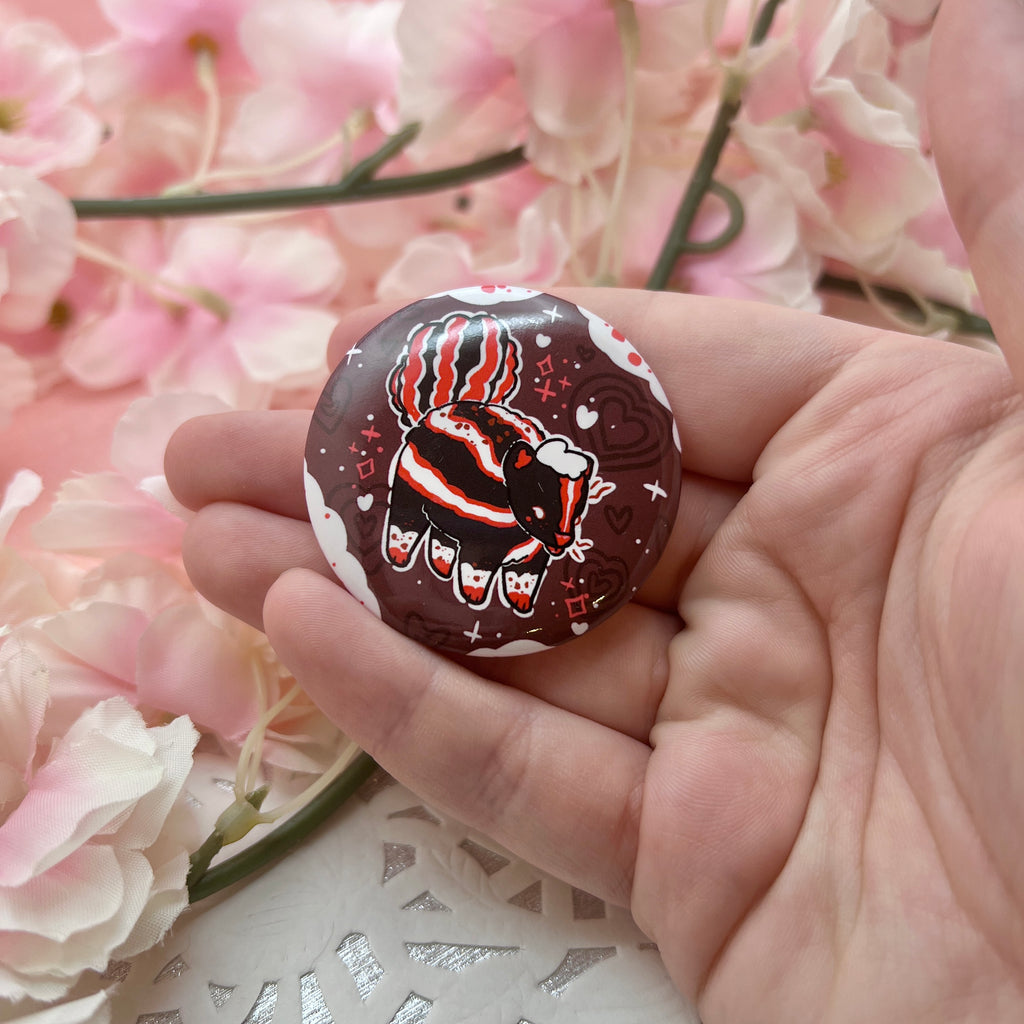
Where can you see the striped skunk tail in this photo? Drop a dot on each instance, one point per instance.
(469, 357)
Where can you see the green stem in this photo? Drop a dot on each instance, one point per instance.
(199, 862)
(368, 166)
(734, 205)
(702, 181)
(286, 836)
(964, 321)
(357, 185)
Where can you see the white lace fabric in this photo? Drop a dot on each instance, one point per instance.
(392, 914)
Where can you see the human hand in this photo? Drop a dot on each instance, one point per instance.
(797, 754)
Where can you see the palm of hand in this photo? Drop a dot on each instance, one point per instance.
(813, 757)
(831, 801)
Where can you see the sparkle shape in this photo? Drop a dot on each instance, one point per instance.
(656, 490)
(489, 860)
(565, 382)
(576, 605)
(544, 367)
(352, 352)
(455, 956)
(420, 812)
(370, 433)
(262, 1011)
(172, 969)
(553, 313)
(531, 898)
(586, 907)
(311, 1001)
(413, 1011)
(546, 393)
(575, 963)
(426, 901)
(398, 857)
(366, 970)
(473, 634)
(367, 469)
(219, 994)
(117, 970)
(568, 584)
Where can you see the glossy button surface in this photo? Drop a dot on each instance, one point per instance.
(492, 470)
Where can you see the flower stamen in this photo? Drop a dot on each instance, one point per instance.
(12, 114)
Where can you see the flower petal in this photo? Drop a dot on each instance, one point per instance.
(276, 343)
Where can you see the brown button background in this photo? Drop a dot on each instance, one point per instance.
(431, 522)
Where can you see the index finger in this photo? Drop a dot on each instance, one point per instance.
(734, 372)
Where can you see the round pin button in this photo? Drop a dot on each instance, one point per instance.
(492, 470)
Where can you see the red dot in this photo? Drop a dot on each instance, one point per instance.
(634, 358)
(618, 335)
(488, 288)
(327, 515)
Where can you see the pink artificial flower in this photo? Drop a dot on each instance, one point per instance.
(131, 508)
(90, 649)
(158, 45)
(319, 64)
(432, 263)
(153, 145)
(42, 127)
(256, 321)
(187, 646)
(822, 117)
(135, 627)
(17, 384)
(909, 12)
(23, 591)
(547, 72)
(37, 237)
(452, 72)
(767, 262)
(138, 631)
(90, 868)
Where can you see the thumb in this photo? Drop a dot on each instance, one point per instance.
(976, 114)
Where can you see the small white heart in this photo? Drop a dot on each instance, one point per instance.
(364, 501)
(542, 341)
(585, 418)
(579, 628)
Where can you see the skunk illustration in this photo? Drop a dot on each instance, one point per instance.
(477, 482)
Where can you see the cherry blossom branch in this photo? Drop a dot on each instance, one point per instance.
(275, 844)
(358, 185)
(678, 243)
(912, 309)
